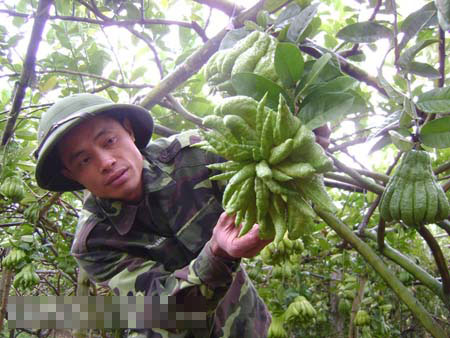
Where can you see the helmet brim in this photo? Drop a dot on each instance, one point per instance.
(49, 167)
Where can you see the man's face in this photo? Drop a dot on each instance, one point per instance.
(101, 155)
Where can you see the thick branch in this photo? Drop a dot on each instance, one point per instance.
(438, 257)
(406, 263)
(28, 67)
(376, 176)
(380, 267)
(193, 64)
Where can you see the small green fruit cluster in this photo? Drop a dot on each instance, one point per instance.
(254, 53)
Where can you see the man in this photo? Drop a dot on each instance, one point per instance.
(152, 223)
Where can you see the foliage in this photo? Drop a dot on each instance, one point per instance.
(374, 74)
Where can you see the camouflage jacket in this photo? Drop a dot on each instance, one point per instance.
(157, 247)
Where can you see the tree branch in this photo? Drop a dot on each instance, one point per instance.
(312, 49)
(347, 144)
(380, 267)
(98, 77)
(438, 257)
(363, 182)
(442, 57)
(406, 263)
(343, 186)
(163, 131)
(442, 168)
(183, 112)
(194, 62)
(368, 215)
(28, 67)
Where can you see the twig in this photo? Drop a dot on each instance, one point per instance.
(28, 67)
(365, 183)
(442, 57)
(150, 45)
(368, 215)
(396, 50)
(183, 112)
(163, 131)
(347, 144)
(445, 224)
(225, 6)
(312, 49)
(98, 77)
(343, 186)
(194, 62)
(380, 234)
(442, 168)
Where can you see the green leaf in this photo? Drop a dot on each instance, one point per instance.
(25, 135)
(288, 63)
(49, 84)
(301, 22)
(435, 101)
(256, 86)
(317, 67)
(415, 22)
(407, 57)
(138, 72)
(424, 70)
(364, 32)
(436, 133)
(133, 12)
(287, 14)
(329, 108)
(393, 93)
(401, 142)
(113, 95)
(271, 5)
(337, 85)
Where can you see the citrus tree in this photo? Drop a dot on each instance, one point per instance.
(367, 80)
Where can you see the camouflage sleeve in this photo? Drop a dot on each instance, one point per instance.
(204, 281)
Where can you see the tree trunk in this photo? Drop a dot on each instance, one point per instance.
(83, 284)
(5, 285)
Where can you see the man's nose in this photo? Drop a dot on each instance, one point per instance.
(106, 162)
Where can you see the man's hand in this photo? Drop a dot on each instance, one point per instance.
(226, 243)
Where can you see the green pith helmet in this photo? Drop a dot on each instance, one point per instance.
(69, 112)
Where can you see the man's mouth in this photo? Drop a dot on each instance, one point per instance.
(117, 177)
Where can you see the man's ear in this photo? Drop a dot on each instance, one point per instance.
(129, 128)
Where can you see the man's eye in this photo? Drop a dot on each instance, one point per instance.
(84, 161)
(110, 140)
